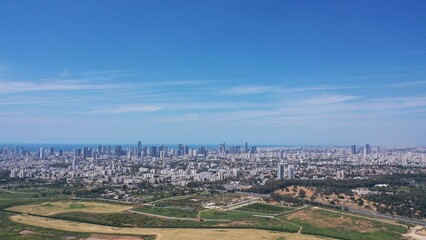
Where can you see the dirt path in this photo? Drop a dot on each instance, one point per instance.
(413, 235)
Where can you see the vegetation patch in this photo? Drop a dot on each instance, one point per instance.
(264, 208)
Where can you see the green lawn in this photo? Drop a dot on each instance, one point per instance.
(169, 212)
(265, 208)
(227, 215)
(76, 206)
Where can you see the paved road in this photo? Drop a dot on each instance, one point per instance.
(402, 219)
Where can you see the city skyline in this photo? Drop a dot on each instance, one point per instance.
(279, 73)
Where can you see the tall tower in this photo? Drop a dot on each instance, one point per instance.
(290, 172)
(41, 153)
(353, 149)
(139, 149)
(280, 170)
(74, 163)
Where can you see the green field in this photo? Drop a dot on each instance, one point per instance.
(76, 206)
(11, 230)
(169, 212)
(265, 208)
(236, 220)
(315, 221)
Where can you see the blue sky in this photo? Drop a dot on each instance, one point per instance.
(266, 72)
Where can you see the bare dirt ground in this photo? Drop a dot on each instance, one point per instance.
(27, 232)
(416, 233)
(161, 233)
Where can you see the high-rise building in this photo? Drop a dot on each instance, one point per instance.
(22, 174)
(282, 154)
(280, 170)
(77, 152)
(13, 173)
(139, 150)
(246, 148)
(118, 151)
(353, 149)
(153, 151)
(290, 172)
(368, 147)
(74, 163)
(341, 174)
(41, 153)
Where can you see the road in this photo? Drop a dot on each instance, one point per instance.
(397, 218)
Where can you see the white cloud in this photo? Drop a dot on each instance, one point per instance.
(247, 90)
(66, 85)
(129, 109)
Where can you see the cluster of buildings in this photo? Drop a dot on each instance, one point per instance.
(235, 167)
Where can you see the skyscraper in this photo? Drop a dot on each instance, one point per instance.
(41, 153)
(290, 172)
(139, 151)
(74, 163)
(368, 147)
(280, 170)
(353, 149)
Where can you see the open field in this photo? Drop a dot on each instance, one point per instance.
(162, 233)
(264, 208)
(15, 231)
(51, 208)
(169, 212)
(334, 224)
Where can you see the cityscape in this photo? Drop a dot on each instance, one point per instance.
(211, 120)
(181, 165)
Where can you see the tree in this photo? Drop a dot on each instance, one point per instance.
(360, 202)
(302, 193)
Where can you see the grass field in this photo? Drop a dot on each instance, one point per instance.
(162, 233)
(51, 208)
(169, 212)
(255, 220)
(339, 225)
(265, 208)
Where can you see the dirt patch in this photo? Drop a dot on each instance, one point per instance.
(422, 232)
(111, 237)
(27, 232)
(342, 222)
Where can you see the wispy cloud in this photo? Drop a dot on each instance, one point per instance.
(66, 85)
(247, 90)
(128, 109)
(325, 99)
(409, 84)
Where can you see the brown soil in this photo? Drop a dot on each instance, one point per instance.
(27, 232)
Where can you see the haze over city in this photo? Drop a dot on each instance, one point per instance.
(194, 72)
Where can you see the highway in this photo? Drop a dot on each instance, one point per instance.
(402, 219)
